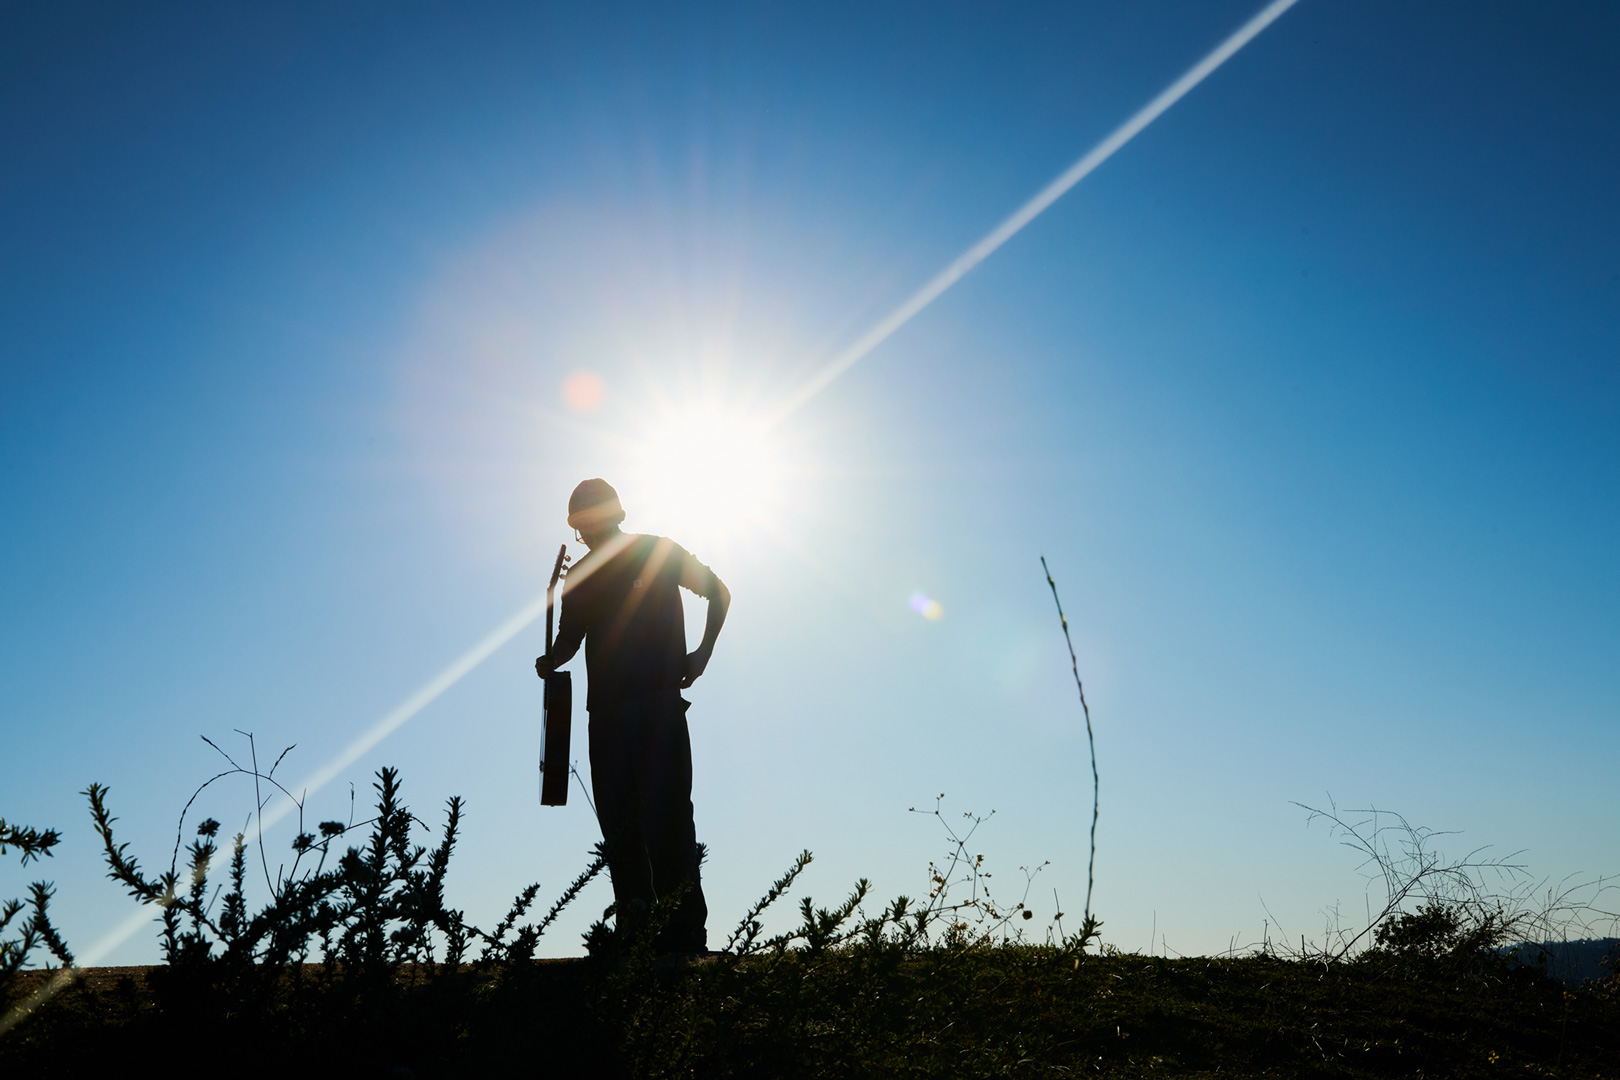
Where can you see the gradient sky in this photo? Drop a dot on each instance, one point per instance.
(1310, 397)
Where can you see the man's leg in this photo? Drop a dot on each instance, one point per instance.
(667, 823)
(614, 738)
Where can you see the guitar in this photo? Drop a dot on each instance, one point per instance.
(556, 711)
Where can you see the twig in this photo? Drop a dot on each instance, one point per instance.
(258, 808)
(258, 799)
(573, 771)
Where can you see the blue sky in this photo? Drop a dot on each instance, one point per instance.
(1309, 396)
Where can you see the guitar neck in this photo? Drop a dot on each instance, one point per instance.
(551, 591)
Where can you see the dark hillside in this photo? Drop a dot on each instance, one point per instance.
(857, 1011)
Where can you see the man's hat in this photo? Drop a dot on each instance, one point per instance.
(593, 504)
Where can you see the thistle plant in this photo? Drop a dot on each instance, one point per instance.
(380, 905)
(497, 950)
(743, 938)
(36, 929)
(371, 908)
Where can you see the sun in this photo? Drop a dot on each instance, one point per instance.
(708, 473)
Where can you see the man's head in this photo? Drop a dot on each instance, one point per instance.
(594, 510)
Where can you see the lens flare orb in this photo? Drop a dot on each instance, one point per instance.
(583, 391)
(932, 610)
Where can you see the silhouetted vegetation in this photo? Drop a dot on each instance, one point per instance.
(35, 929)
(357, 964)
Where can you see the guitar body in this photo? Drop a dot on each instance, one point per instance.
(555, 732)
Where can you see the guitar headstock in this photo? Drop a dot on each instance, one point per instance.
(558, 570)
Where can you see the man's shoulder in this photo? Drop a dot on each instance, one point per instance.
(650, 545)
(625, 544)
(633, 550)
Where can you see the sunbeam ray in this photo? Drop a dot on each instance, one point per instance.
(1048, 195)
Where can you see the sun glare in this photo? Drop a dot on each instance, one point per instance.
(706, 474)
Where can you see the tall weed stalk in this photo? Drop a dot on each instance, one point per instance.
(1091, 739)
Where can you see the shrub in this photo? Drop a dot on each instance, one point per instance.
(1455, 934)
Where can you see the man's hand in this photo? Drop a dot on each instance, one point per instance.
(695, 663)
(542, 666)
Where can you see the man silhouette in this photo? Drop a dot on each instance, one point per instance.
(623, 601)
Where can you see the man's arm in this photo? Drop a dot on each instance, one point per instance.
(570, 632)
(698, 578)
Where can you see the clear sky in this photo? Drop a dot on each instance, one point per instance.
(311, 316)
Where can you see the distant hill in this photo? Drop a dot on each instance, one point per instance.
(1570, 962)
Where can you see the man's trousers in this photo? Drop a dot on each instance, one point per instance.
(641, 769)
